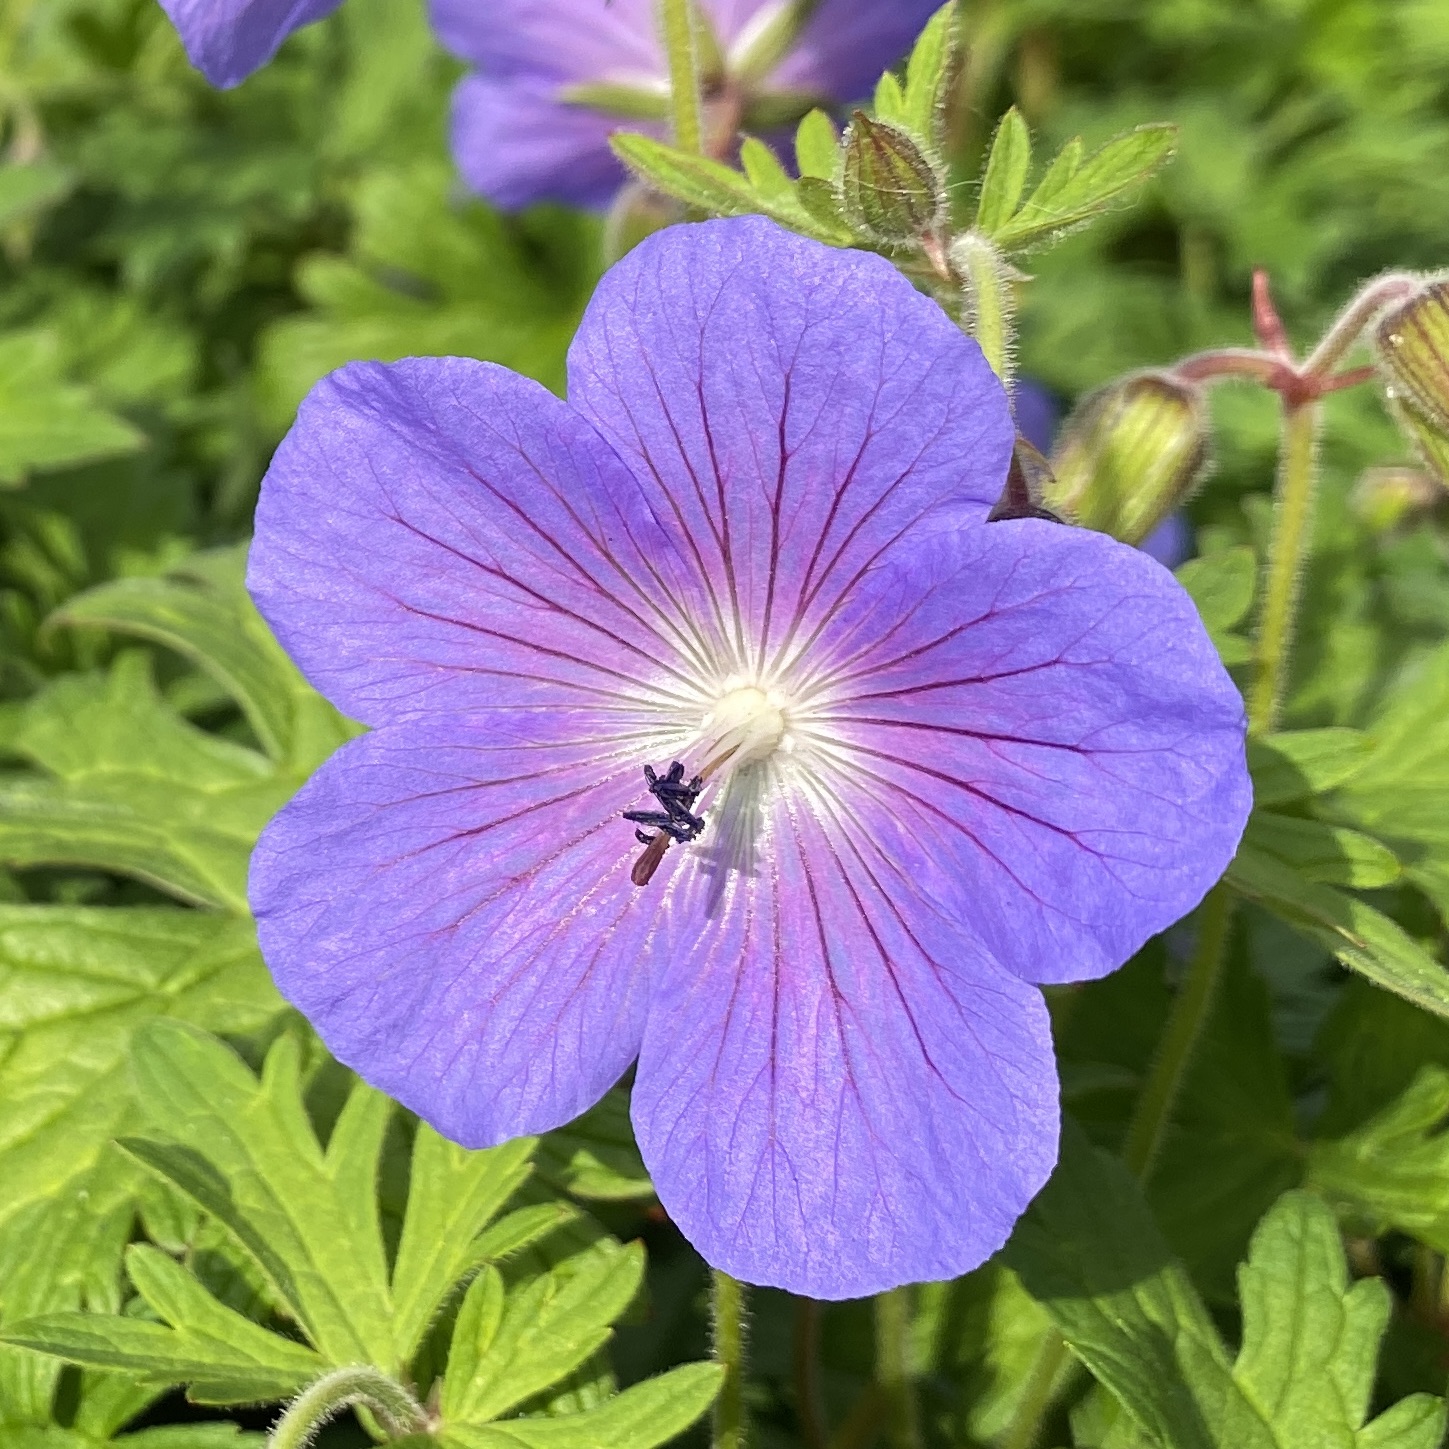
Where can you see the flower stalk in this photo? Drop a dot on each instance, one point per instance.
(397, 1411)
(677, 27)
(989, 307)
(731, 1426)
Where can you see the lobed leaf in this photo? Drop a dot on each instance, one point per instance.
(1296, 764)
(1075, 189)
(1004, 179)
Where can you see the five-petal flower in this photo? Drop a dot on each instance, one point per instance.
(940, 761)
(528, 124)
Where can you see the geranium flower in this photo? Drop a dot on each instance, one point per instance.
(926, 763)
(526, 126)
(228, 39)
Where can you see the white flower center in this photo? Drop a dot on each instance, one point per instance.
(745, 727)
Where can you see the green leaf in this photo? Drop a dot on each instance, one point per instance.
(133, 788)
(506, 1351)
(1361, 937)
(202, 611)
(928, 75)
(76, 985)
(245, 1153)
(1075, 190)
(641, 1417)
(765, 173)
(595, 1156)
(452, 1195)
(1332, 854)
(1296, 764)
(1393, 1171)
(889, 101)
(715, 188)
(817, 146)
(1089, 1250)
(1222, 586)
(46, 422)
(1005, 176)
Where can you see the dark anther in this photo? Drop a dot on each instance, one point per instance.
(677, 795)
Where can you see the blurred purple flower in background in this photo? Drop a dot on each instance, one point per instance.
(926, 763)
(228, 39)
(518, 137)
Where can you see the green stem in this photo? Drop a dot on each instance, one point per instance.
(892, 1367)
(989, 303)
(1296, 495)
(1036, 1396)
(809, 1404)
(730, 1424)
(681, 47)
(396, 1409)
(1180, 1037)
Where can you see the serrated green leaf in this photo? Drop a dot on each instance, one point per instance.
(715, 188)
(817, 146)
(452, 1195)
(1005, 176)
(641, 1417)
(1075, 189)
(1331, 854)
(504, 1352)
(1089, 1250)
(202, 611)
(1296, 764)
(1393, 1171)
(1358, 935)
(132, 787)
(520, 1230)
(75, 987)
(928, 74)
(46, 422)
(244, 1151)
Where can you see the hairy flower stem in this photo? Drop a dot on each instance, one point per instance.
(396, 1409)
(681, 46)
(1293, 508)
(892, 1368)
(988, 300)
(728, 1299)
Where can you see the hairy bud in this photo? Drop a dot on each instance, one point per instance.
(1130, 454)
(1411, 349)
(1390, 498)
(890, 190)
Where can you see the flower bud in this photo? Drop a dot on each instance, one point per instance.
(1130, 454)
(1390, 498)
(1411, 347)
(890, 190)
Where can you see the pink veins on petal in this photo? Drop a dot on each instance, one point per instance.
(939, 762)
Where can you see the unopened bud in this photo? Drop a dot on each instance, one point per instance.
(1390, 498)
(1131, 454)
(889, 188)
(1411, 346)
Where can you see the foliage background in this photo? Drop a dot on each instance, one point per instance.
(177, 266)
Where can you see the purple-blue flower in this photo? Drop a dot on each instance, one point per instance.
(521, 133)
(933, 762)
(228, 39)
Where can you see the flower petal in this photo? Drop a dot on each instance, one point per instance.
(441, 534)
(848, 43)
(517, 144)
(1039, 711)
(836, 1093)
(561, 40)
(793, 410)
(228, 39)
(450, 906)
